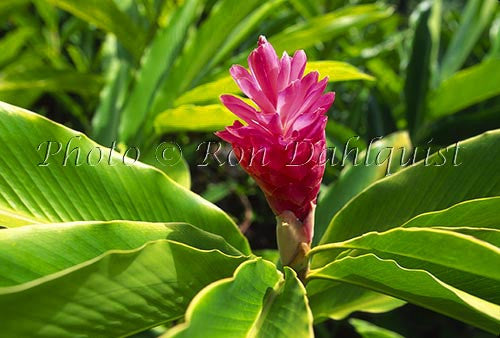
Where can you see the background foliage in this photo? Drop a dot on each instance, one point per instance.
(146, 71)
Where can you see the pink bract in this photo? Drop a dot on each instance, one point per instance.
(282, 146)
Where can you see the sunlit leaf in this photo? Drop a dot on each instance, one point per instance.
(71, 185)
(115, 294)
(336, 71)
(466, 87)
(257, 302)
(385, 275)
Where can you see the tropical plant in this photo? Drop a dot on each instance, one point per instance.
(102, 239)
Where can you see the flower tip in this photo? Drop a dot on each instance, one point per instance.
(262, 40)
(233, 69)
(223, 97)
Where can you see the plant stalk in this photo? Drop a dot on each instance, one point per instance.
(293, 243)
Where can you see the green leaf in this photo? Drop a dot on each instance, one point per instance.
(206, 43)
(244, 28)
(491, 236)
(48, 13)
(115, 294)
(449, 249)
(494, 51)
(354, 179)
(422, 62)
(256, 302)
(179, 172)
(209, 91)
(481, 213)
(337, 135)
(421, 188)
(369, 330)
(306, 8)
(414, 285)
(194, 118)
(72, 185)
(167, 157)
(476, 16)
(335, 70)
(50, 80)
(465, 88)
(455, 254)
(328, 26)
(34, 251)
(6, 6)
(156, 61)
(13, 42)
(106, 15)
(215, 117)
(271, 255)
(218, 191)
(329, 299)
(118, 76)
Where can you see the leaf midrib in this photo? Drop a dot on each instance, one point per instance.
(269, 299)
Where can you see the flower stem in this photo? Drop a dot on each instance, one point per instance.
(293, 243)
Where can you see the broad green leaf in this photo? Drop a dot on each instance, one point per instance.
(34, 251)
(328, 26)
(491, 236)
(208, 40)
(465, 88)
(368, 330)
(479, 286)
(335, 70)
(356, 178)
(481, 213)
(167, 156)
(209, 91)
(476, 16)
(456, 255)
(118, 293)
(194, 118)
(179, 172)
(256, 302)
(416, 286)
(106, 15)
(447, 248)
(71, 185)
(422, 62)
(421, 188)
(271, 255)
(156, 61)
(330, 299)
(51, 80)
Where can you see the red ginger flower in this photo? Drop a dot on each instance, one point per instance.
(283, 145)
